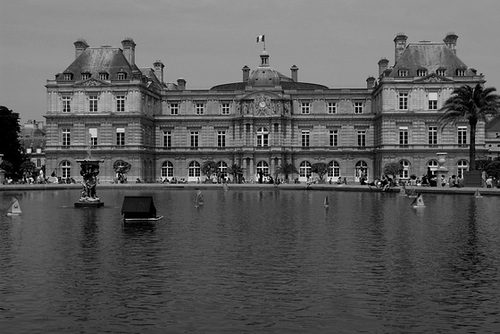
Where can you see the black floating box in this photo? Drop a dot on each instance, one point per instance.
(138, 207)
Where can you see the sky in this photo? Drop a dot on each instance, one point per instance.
(336, 43)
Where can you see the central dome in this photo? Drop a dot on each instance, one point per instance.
(264, 75)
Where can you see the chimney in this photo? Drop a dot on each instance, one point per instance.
(294, 69)
(246, 72)
(451, 41)
(80, 46)
(129, 50)
(181, 84)
(399, 45)
(382, 66)
(159, 70)
(370, 82)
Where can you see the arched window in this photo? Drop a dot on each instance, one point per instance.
(262, 137)
(262, 168)
(305, 169)
(222, 168)
(433, 165)
(405, 172)
(333, 169)
(65, 169)
(167, 170)
(462, 166)
(194, 169)
(361, 168)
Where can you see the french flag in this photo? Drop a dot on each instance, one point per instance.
(261, 38)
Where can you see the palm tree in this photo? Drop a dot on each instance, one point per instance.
(236, 171)
(286, 169)
(471, 104)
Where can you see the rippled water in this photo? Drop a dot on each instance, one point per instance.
(265, 261)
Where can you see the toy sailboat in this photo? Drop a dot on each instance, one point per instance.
(402, 191)
(326, 203)
(15, 209)
(412, 193)
(199, 198)
(418, 202)
(477, 194)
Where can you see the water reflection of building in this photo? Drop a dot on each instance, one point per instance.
(32, 138)
(105, 102)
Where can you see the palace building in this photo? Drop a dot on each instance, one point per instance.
(106, 106)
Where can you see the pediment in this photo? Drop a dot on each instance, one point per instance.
(92, 82)
(433, 77)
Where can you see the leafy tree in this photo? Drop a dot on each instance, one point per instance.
(286, 169)
(236, 171)
(493, 168)
(208, 168)
(10, 146)
(28, 168)
(471, 104)
(393, 168)
(319, 168)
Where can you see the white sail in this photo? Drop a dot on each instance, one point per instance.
(15, 209)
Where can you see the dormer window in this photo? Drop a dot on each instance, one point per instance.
(403, 73)
(441, 72)
(122, 76)
(460, 72)
(103, 76)
(68, 76)
(85, 76)
(421, 72)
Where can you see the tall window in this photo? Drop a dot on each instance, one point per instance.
(361, 169)
(305, 108)
(66, 101)
(93, 103)
(93, 137)
(358, 107)
(221, 138)
(167, 139)
(405, 172)
(174, 108)
(194, 139)
(65, 169)
(462, 166)
(222, 168)
(305, 138)
(361, 138)
(120, 103)
(262, 137)
(332, 107)
(333, 169)
(462, 135)
(194, 169)
(334, 138)
(433, 165)
(66, 137)
(262, 168)
(403, 100)
(224, 108)
(305, 169)
(403, 136)
(120, 136)
(199, 108)
(433, 101)
(167, 169)
(433, 135)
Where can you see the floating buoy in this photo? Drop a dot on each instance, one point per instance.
(15, 209)
(418, 202)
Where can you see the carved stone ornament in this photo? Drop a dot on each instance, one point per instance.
(92, 82)
(262, 104)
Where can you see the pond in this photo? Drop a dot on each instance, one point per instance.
(260, 260)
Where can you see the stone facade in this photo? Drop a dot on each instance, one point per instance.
(104, 106)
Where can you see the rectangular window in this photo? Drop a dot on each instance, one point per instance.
(120, 103)
(332, 107)
(305, 108)
(93, 137)
(361, 138)
(85, 76)
(93, 103)
(462, 135)
(103, 76)
(122, 76)
(167, 139)
(433, 101)
(403, 101)
(66, 101)
(68, 76)
(403, 136)
(433, 135)
(461, 72)
(120, 136)
(199, 108)
(358, 107)
(305, 138)
(66, 137)
(38, 162)
(224, 108)
(403, 73)
(194, 139)
(334, 138)
(174, 108)
(221, 138)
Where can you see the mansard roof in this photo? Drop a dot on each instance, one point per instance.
(285, 85)
(429, 56)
